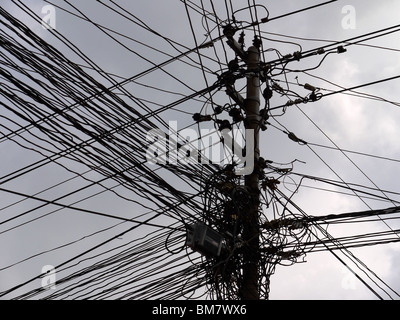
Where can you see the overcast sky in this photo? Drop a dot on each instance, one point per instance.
(352, 123)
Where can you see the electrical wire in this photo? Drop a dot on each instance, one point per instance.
(78, 114)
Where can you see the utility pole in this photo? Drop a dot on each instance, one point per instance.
(243, 269)
(249, 287)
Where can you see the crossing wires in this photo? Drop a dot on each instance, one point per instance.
(127, 159)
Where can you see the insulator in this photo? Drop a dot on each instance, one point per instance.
(241, 38)
(297, 55)
(224, 124)
(200, 118)
(218, 110)
(294, 138)
(313, 97)
(234, 112)
(264, 114)
(229, 31)
(233, 65)
(267, 93)
(309, 87)
(341, 49)
(257, 42)
(262, 163)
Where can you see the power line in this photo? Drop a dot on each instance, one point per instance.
(345, 90)
(74, 117)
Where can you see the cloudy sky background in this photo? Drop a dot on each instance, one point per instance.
(353, 123)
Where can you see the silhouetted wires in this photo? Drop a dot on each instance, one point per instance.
(77, 113)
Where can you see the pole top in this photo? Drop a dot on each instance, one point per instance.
(252, 57)
(253, 49)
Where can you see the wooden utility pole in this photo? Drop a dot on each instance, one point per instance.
(249, 287)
